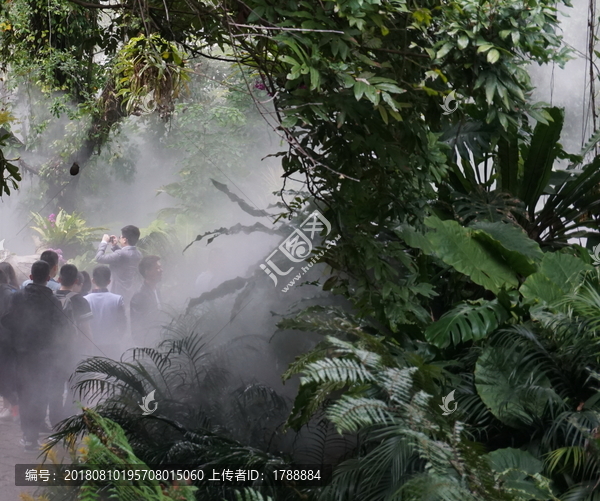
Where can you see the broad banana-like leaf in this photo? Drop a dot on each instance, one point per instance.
(520, 472)
(521, 252)
(537, 167)
(502, 460)
(558, 275)
(466, 322)
(458, 247)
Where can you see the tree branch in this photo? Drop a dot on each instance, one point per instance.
(90, 5)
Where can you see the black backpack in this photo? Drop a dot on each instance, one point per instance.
(67, 310)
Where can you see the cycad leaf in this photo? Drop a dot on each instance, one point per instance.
(466, 322)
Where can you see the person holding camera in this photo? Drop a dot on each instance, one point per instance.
(123, 261)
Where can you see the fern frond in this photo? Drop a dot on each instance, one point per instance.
(349, 414)
(336, 370)
(397, 383)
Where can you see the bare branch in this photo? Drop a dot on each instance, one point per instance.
(283, 29)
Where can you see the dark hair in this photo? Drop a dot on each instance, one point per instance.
(3, 278)
(50, 257)
(146, 263)
(9, 271)
(86, 286)
(101, 275)
(68, 275)
(131, 233)
(40, 272)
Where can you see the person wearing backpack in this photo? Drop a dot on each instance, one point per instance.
(77, 337)
(34, 324)
(8, 389)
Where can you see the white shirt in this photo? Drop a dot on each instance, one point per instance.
(109, 322)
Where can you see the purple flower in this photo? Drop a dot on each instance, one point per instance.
(260, 86)
(61, 260)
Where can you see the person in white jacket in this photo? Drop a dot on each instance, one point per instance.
(109, 324)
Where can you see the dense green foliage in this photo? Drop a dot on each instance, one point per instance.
(68, 232)
(456, 259)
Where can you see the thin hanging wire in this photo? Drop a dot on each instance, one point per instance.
(552, 85)
(589, 111)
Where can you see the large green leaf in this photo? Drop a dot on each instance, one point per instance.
(568, 211)
(457, 247)
(557, 276)
(465, 138)
(502, 460)
(413, 238)
(519, 472)
(537, 167)
(466, 322)
(521, 252)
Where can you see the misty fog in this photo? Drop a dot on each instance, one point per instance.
(125, 184)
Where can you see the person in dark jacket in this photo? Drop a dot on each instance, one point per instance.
(8, 387)
(35, 323)
(123, 261)
(79, 316)
(86, 284)
(146, 303)
(9, 271)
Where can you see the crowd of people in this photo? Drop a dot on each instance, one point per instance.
(48, 326)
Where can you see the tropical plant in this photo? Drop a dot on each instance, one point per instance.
(202, 417)
(514, 176)
(408, 450)
(84, 262)
(9, 173)
(66, 231)
(105, 446)
(153, 69)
